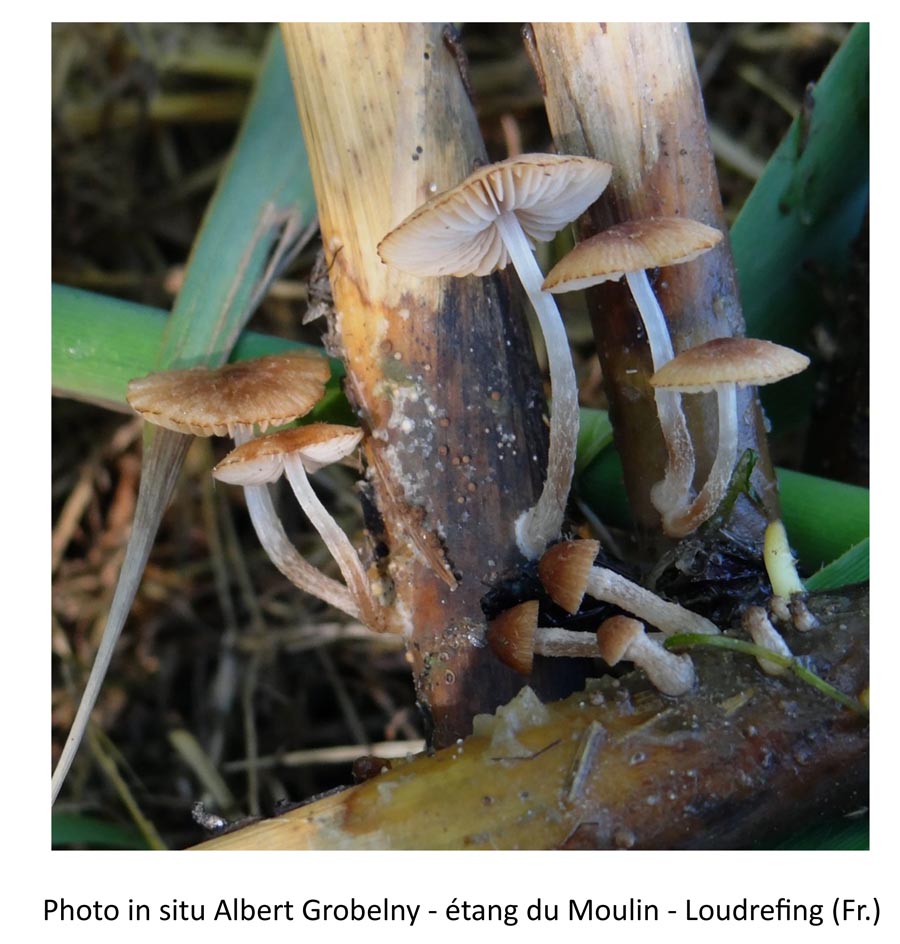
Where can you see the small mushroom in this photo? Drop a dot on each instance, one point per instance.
(567, 571)
(621, 638)
(295, 452)
(515, 637)
(758, 626)
(215, 402)
(721, 365)
(630, 249)
(233, 400)
(478, 227)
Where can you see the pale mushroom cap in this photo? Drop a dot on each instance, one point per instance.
(266, 391)
(740, 361)
(615, 635)
(261, 460)
(564, 570)
(631, 247)
(511, 636)
(453, 233)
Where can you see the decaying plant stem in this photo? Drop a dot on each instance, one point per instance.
(619, 766)
(628, 93)
(440, 371)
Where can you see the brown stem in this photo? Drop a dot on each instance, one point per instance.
(441, 371)
(628, 94)
(727, 766)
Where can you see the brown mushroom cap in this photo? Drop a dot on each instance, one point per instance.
(511, 636)
(261, 460)
(740, 361)
(564, 571)
(615, 635)
(265, 391)
(631, 247)
(453, 233)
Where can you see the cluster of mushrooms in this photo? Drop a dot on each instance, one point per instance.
(490, 219)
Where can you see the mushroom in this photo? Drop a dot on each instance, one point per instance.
(630, 249)
(295, 452)
(621, 638)
(478, 227)
(214, 402)
(788, 602)
(758, 626)
(232, 400)
(515, 637)
(721, 365)
(567, 571)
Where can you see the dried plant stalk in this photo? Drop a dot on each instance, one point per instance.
(440, 371)
(629, 94)
(742, 758)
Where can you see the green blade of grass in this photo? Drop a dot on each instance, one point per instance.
(257, 216)
(792, 239)
(851, 567)
(809, 204)
(70, 829)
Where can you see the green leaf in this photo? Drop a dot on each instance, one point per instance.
(72, 829)
(851, 567)
(792, 240)
(809, 204)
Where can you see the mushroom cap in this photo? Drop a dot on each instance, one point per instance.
(454, 233)
(740, 361)
(511, 636)
(631, 247)
(265, 391)
(564, 570)
(261, 460)
(615, 635)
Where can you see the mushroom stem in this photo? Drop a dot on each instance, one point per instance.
(673, 491)
(684, 520)
(542, 523)
(286, 557)
(610, 587)
(336, 541)
(282, 552)
(555, 642)
(759, 627)
(671, 674)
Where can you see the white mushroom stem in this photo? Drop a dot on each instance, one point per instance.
(687, 519)
(756, 623)
(282, 552)
(673, 491)
(336, 541)
(555, 642)
(672, 674)
(608, 586)
(287, 558)
(541, 524)
(621, 638)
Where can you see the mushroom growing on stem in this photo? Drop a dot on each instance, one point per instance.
(630, 249)
(622, 638)
(568, 572)
(229, 400)
(721, 365)
(515, 638)
(478, 227)
(233, 401)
